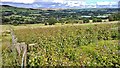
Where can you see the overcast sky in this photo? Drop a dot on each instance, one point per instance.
(70, 2)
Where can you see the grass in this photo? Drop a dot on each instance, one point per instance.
(23, 26)
(9, 57)
(71, 45)
(94, 54)
(102, 53)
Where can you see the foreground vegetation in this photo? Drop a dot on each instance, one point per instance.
(82, 45)
(59, 37)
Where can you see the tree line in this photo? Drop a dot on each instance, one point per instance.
(18, 16)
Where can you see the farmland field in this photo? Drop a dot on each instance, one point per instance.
(81, 45)
(64, 45)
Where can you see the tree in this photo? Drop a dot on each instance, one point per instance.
(97, 20)
(45, 23)
(86, 20)
(5, 20)
(94, 20)
(52, 21)
(75, 21)
(111, 18)
(15, 22)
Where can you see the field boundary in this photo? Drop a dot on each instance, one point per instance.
(20, 47)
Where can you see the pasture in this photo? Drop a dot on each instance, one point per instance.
(65, 45)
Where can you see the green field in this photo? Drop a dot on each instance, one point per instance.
(64, 45)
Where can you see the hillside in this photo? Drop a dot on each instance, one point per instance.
(15, 15)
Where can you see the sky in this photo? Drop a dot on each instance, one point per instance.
(64, 1)
(70, 3)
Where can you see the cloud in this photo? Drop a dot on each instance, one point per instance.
(72, 3)
(65, 3)
(58, 1)
(114, 3)
(19, 1)
(103, 3)
(107, 3)
(75, 3)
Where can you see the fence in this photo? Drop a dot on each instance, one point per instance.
(20, 47)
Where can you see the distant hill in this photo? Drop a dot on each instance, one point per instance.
(9, 7)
